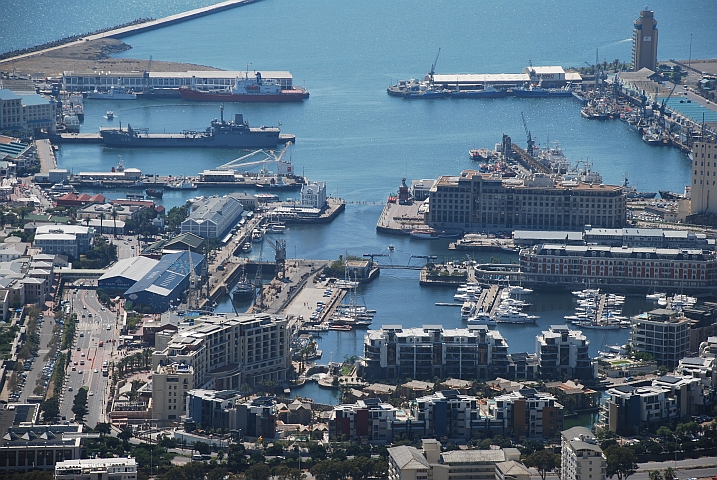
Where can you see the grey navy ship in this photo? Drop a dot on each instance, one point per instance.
(219, 134)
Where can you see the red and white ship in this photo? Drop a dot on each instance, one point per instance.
(245, 90)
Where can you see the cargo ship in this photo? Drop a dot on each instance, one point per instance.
(220, 134)
(245, 90)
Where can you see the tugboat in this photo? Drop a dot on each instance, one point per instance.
(154, 192)
(244, 290)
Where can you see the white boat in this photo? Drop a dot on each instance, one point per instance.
(276, 228)
(467, 310)
(72, 123)
(246, 248)
(425, 234)
(514, 290)
(257, 235)
(114, 93)
(513, 316)
(62, 188)
(182, 184)
(481, 318)
(598, 326)
(654, 297)
(110, 115)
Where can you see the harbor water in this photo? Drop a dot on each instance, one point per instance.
(351, 134)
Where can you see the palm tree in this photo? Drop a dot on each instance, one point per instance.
(114, 218)
(87, 221)
(102, 217)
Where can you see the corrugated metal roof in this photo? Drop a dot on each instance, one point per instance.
(167, 274)
(134, 268)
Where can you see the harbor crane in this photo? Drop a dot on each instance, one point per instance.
(283, 167)
(279, 256)
(531, 142)
(663, 112)
(433, 67)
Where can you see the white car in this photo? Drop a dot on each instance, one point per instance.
(97, 371)
(91, 393)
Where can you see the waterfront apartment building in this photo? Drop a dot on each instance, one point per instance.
(448, 414)
(644, 42)
(563, 354)
(527, 413)
(219, 352)
(629, 409)
(227, 409)
(662, 333)
(480, 201)
(97, 468)
(432, 351)
(637, 268)
(213, 217)
(581, 457)
(369, 420)
(704, 178)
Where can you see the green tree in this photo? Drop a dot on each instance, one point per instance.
(655, 475)
(103, 428)
(544, 461)
(669, 474)
(664, 432)
(621, 461)
(258, 471)
(51, 408)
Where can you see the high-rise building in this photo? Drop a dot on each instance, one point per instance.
(704, 178)
(644, 42)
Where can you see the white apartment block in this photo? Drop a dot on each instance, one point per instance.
(97, 468)
(430, 351)
(224, 351)
(25, 113)
(581, 457)
(70, 240)
(170, 385)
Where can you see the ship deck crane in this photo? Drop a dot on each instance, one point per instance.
(531, 142)
(433, 67)
(664, 102)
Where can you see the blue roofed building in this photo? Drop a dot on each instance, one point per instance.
(165, 282)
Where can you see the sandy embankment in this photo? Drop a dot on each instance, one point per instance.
(89, 56)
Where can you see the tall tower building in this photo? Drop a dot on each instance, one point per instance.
(704, 177)
(644, 42)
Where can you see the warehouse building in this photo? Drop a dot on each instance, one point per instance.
(165, 282)
(213, 217)
(125, 273)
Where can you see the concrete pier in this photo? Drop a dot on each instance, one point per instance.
(46, 155)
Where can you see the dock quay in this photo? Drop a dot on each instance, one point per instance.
(400, 219)
(482, 243)
(46, 155)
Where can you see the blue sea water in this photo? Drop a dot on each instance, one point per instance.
(351, 134)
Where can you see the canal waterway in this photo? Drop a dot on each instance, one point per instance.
(351, 134)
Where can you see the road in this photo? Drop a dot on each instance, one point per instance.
(45, 326)
(127, 246)
(95, 325)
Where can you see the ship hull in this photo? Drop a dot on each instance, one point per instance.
(285, 96)
(119, 139)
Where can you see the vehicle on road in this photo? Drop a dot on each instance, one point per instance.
(91, 393)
